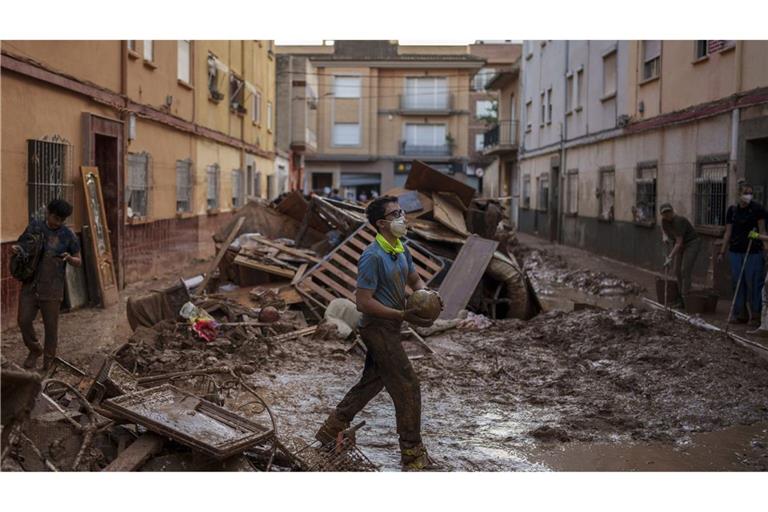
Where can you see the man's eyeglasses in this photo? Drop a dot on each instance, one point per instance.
(395, 214)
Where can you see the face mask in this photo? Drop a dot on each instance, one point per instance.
(398, 227)
(746, 198)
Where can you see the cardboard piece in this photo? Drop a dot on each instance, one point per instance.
(448, 212)
(426, 179)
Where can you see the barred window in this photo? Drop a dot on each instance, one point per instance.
(710, 193)
(238, 196)
(137, 185)
(49, 174)
(572, 192)
(184, 183)
(543, 191)
(526, 191)
(607, 194)
(651, 59)
(214, 175)
(645, 194)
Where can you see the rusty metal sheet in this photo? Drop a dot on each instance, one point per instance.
(467, 270)
(190, 420)
(427, 179)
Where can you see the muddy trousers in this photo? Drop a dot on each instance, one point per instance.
(751, 289)
(387, 367)
(684, 266)
(29, 305)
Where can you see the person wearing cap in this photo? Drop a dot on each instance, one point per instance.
(687, 245)
(741, 219)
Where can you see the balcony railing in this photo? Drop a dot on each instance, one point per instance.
(407, 149)
(501, 136)
(426, 103)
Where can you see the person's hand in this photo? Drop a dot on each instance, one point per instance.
(410, 316)
(753, 235)
(65, 256)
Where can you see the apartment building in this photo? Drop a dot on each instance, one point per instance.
(378, 106)
(486, 111)
(181, 132)
(612, 129)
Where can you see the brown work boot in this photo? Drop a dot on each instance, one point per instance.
(31, 361)
(417, 459)
(331, 429)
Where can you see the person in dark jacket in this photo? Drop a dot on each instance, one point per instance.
(685, 250)
(44, 292)
(741, 219)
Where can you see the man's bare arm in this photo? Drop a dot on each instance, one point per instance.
(368, 305)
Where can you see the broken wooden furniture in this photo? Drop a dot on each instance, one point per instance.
(465, 272)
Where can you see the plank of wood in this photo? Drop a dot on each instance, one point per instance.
(424, 260)
(294, 334)
(270, 269)
(418, 338)
(222, 251)
(315, 288)
(328, 281)
(359, 244)
(353, 254)
(467, 270)
(448, 213)
(133, 457)
(288, 250)
(299, 273)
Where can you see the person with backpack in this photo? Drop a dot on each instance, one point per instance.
(39, 261)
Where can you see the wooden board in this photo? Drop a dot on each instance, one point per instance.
(270, 269)
(467, 270)
(448, 212)
(427, 179)
(102, 250)
(222, 251)
(133, 457)
(336, 275)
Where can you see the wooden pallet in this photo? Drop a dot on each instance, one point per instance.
(336, 275)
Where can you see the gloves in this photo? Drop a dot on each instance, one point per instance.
(753, 235)
(410, 316)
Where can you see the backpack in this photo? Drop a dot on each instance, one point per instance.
(25, 262)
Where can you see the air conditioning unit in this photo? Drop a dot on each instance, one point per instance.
(622, 120)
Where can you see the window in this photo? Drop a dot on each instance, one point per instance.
(213, 78)
(131, 45)
(238, 192)
(526, 191)
(346, 134)
(710, 193)
(425, 135)
(579, 88)
(346, 86)
(482, 78)
(184, 185)
(214, 177)
(609, 74)
(572, 192)
(528, 115)
(256, 108)
(645, 193)
(543, 191)
(549, 106)
(651, 59)
(701, 49)
(528, 46)
(137, 184)
(236, 94)
(183, 54)
(426, 93)
(479, 144)
(269, 115)
(149, 51)
(543, 109)
(485, 109)
(607, 194)
(570, 92)
(49, 175)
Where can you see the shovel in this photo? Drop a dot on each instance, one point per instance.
(738, 284)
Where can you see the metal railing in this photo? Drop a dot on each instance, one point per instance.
(503, 134)
(407, 149)
(426, 102)
(49, 173)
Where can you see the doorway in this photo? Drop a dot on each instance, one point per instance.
(554, 201)
(756, 167)
(104, 149)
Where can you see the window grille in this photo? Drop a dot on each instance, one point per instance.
(213, 175)
(137, 184)
(710, 194)
(184, 183)
(49, 174)
(645, 194)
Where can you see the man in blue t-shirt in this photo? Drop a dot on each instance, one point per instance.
(45, 290)
(384, 270)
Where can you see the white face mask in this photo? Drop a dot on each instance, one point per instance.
(746, 198)
(398, 227)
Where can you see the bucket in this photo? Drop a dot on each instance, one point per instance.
(701, 301)
(673, 294)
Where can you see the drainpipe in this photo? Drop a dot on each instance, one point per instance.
(735, 119)
(242, 117)
(125, 118)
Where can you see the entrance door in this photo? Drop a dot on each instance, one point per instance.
(756, 171)
(103, 139)
(554, 203)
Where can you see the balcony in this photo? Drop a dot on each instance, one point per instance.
(407, 149)
(415, 104)
(501, 138)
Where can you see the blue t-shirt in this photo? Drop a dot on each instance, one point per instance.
(387, 275)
